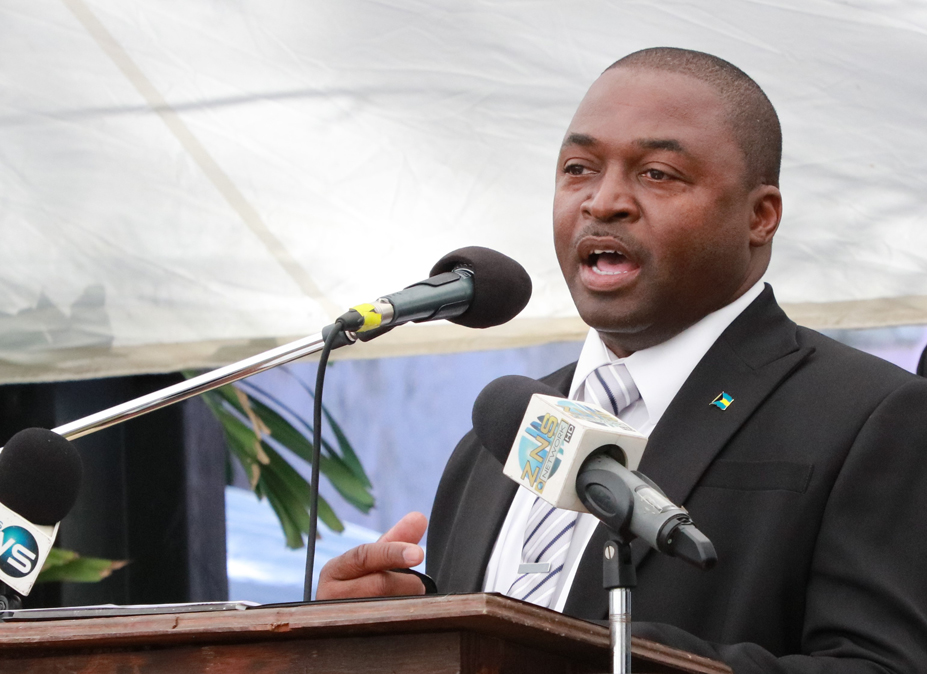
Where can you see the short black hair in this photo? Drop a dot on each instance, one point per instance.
(752, 116)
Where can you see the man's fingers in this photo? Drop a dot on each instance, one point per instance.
(371, 558)
(409, 529)
(380, 584)
(364, 571)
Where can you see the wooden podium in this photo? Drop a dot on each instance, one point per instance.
(475, 633)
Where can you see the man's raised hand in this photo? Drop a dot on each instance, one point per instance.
(364, 571)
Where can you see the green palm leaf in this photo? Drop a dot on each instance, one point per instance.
(67, 565)
(255, 432)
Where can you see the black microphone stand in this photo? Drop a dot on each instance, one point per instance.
(619, 578)
(612, 502)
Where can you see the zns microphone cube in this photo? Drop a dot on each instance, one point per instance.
(556, 437)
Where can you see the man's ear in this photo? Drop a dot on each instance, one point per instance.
(767, 212)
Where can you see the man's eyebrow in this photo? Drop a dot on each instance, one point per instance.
(580, 139)
(669, 144)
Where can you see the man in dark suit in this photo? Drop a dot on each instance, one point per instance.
(811, 483)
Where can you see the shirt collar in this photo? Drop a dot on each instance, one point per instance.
(660, 371)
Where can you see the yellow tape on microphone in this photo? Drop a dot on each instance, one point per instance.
(372, 319)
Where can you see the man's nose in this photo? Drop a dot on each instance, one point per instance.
(612, 199)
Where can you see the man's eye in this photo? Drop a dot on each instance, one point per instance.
(574, 169)
(655, 174)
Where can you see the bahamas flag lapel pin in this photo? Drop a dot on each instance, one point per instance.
(723, 400)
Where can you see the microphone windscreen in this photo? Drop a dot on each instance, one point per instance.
(500, 408)
(40, 475)
(501, 286)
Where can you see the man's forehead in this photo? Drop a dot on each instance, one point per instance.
(655, 110)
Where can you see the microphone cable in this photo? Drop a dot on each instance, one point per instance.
(337, 330)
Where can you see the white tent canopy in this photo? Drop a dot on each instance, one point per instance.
(184, 183)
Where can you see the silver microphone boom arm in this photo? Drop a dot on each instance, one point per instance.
(193, 387)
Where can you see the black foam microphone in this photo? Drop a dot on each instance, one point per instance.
(475, 287)
(40, 475)
(501, 286)
(576, 456)
(499, 408)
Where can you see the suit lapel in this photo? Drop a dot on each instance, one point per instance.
(748, 362)
(482, 511)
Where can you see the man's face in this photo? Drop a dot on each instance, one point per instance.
(652, 217)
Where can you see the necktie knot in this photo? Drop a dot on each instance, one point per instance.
(611, 387)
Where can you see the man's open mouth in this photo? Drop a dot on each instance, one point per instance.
(610, 262)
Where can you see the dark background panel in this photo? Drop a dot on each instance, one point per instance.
(152, 492)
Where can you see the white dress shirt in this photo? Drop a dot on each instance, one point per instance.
(659, 372)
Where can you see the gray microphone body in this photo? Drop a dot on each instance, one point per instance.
(629, 502)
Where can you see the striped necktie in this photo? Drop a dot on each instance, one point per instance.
(611, 388)
(550, 530)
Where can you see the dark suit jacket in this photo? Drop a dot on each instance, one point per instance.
(812, 485)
